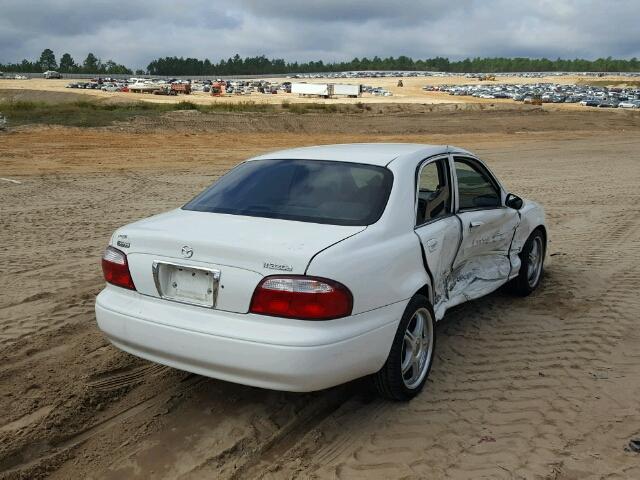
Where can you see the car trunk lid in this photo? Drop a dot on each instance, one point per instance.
(243, 249)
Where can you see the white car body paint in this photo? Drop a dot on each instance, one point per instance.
(382, 264)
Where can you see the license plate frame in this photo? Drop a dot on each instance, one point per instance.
(167, 274)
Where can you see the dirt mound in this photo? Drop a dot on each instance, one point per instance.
(388, 120)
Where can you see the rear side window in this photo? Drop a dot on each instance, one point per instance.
(434, 192)
(337, 193)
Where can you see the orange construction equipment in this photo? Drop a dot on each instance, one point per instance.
(217, 89)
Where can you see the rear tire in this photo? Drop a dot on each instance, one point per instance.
(532, 265)
(409, 362)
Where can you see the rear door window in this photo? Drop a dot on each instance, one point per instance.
(434, 192)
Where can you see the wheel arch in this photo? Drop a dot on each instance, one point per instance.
(427, 292)
(543, 230)
(531, 218)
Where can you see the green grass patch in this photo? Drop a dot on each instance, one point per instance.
(78, 114)
(316, 107)
(248, 106)
(88, 113)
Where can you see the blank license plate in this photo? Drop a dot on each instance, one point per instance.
(185, 284)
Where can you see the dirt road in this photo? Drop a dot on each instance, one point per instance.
(545, 387)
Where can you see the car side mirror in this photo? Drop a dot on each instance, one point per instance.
(513, 201)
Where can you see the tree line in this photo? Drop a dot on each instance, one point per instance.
(262, 65)
(47, 61)
(257, 65)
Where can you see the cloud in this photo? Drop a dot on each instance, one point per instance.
(136, 32)
(356, 11)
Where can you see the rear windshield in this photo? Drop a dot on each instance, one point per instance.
(337, 193)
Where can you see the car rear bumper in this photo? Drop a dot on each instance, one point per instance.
(262, 351)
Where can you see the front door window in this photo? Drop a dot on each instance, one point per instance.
(476, 189)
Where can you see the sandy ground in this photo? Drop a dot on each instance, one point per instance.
(545, 387)
(410, 93)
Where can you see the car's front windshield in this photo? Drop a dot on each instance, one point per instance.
(318, 191)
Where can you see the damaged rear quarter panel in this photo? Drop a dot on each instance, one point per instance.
(378, 268)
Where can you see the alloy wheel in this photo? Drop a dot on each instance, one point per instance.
(417, 348)
(536, 256)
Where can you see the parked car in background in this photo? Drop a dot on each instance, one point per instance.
(590, 102)
(573, 99)
(303, 269)
(110, 87)
(629, 104)
(49, 74)
(609, 103)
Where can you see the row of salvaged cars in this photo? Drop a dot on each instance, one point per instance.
(420, 73)
(174, 86)
(587, 95)
(140, 85)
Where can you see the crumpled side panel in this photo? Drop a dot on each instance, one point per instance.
(478, 277)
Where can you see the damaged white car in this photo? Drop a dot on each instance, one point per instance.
(306, 268)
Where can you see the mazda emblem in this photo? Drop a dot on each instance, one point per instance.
(187, 251)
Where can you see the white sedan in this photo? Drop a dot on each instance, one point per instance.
(306, 268)
(629, 104)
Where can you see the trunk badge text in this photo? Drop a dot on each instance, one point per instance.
(275, 266)
(123, 241)
(187, 251)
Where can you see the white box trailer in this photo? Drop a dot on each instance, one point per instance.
(346, 89)
(321, 89)
(326, 89)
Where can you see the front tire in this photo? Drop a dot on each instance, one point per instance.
(408, 365)
(532, 264)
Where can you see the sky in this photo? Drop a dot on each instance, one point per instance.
(134, 32)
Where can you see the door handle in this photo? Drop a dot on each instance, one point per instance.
(475, 224)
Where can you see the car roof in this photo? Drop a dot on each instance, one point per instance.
(369, 153)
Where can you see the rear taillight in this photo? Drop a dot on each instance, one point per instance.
(301, 297)
(116, 268)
